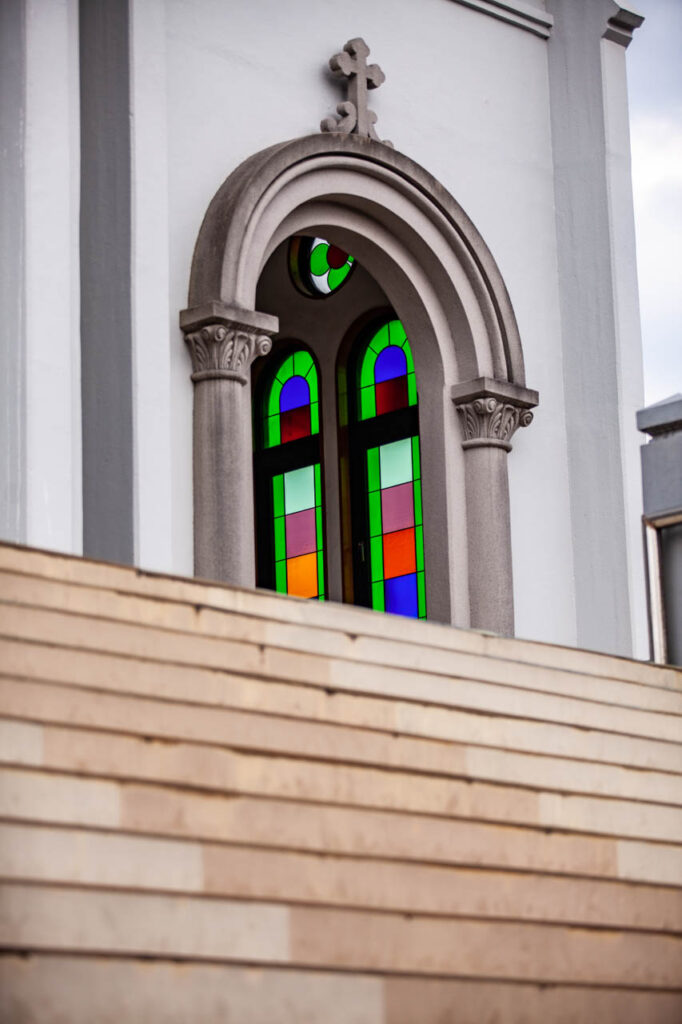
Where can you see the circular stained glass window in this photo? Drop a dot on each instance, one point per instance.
(318, 267)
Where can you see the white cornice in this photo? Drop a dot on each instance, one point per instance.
(514, 12)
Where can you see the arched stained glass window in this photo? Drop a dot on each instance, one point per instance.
(385, 472)
(288, 477)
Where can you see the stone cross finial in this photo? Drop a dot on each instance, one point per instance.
(355, 115)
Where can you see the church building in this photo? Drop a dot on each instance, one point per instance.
(335, 302)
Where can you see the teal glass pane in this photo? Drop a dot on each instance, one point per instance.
(378, 601)
(299, 490)
(396, 462)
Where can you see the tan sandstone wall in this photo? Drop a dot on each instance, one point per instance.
(224, 805)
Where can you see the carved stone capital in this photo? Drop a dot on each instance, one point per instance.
(224, 346)
(491, 411)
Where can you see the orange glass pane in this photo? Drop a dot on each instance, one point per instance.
(399, 553)
(302, 575)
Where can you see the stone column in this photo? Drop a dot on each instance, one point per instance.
(490, 411)
(223, 342)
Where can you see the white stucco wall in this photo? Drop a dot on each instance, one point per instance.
(243, 76)
(467, 95)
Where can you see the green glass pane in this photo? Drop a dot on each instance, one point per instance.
(378, 603)
(375, 526)
(318, 259)
(286, 370)
(408, 356)
(273, 400)
(299, 490)
(421, 595)
(311, 377)
(320, 576)
(377, 558)
(302, 363)
(418, 517)
(397, 332)
(411, 389)
(280, 538)
(368, 402)
(419, 546)
(367, 370)
(337, 276)
(281, 577)
(373, 479)
(396, 462)
(273, 436)
(278, 494)
(318, 528)
(416, 459)
(314, 418)
(381, 339)
(318, 484)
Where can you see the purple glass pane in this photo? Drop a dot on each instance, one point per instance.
(301, 533)
(401, 595)
(391, 362)
(397, 508)
(294, 394)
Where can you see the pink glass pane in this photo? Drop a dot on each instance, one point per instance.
(397, 508)
(301, 534)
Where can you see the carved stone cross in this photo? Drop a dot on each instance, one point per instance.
(355, 115)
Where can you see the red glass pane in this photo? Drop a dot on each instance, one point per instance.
(391, 394)
(399, 553)
(295, 423)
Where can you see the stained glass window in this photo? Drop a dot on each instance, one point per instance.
(289, 503)
(385, 470)
(318, 268)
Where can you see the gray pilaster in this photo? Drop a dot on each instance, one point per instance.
(12, 350)
(106, 333)
(223, 342)
(490, 412)
(590, 346)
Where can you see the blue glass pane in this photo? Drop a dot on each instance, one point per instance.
(390, 363)
(401, 595)
(294, 394)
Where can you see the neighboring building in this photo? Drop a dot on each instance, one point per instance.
(401, 376)
(662, 487)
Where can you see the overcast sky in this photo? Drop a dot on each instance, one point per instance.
(655, 89)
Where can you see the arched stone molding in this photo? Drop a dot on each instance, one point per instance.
(440, 276)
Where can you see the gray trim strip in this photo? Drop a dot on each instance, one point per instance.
(12, 348)
(105, 266)
(514, 13)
